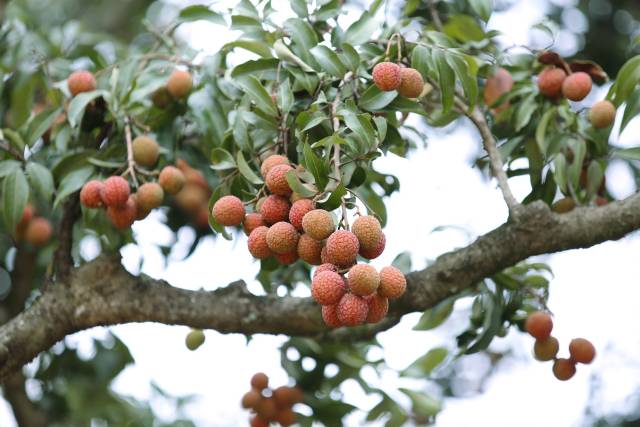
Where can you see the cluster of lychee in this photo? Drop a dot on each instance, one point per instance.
(388, 77)
(194, 195)
(178, 86)
(33, 229)
(270, 405)
(539, 325)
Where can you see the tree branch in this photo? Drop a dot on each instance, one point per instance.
(102, 293)
(63, 259)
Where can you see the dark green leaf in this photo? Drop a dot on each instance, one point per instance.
(258, 94)
(335, 200)
(304, 190)
(446, 79)
(39, 125)
(200, 12)
(483, 8)
(221, 159)
(435, 316)
(40, 179)
(246, 170)
(424, 365)
(254, 46)
(360, 31)
(15, 194)
(329, 61)
(422, 404)
(374, 99)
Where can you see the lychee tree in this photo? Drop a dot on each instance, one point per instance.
(277, 136)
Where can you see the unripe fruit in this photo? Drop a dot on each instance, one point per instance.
(90, 194)
(376, 251)
(271, 161)
(81, 81)
(259, 381)
(140, 212)
(363, 279)
(342, 248)
(352, 310)
(309, 250)
(195, 338)
(392, 283)
(115, 191)
(298, 210)
(330, 316)
(275, 209)
(251, 222)
(564, 369)
(318, 224)
(550, 81)
(378, 308)
(539, 325)
(282, 238)
(546, 349)
(256, 421)
(602, 114)
(171, 179)
(145, 151)
(149, 196)
(161, 98)
(123, 216)
(325, 267)
(285, 417)
(496, 86)
(38, 231)
(287, 259)
(251, 399)
(564, 205)
(368, 231)
(411, 83)
(191, 198)
(386, 75)
(277, 180)
(577, 86)
(258, 243)
(327, 288)
(228, 211)
(180, 83)
(581, 350)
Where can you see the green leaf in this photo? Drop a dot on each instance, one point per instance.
(329, 61)
(536, 162)
(446, 79)
(246, 8)
(463, 28)
(72, 182)
(221, 159)
(374, 99)
(627, 153)
(524, 112)
(80, 102)
(493, 307)
(421, 59)
(259, 95)
(381, 125)
(8, 167)
(579, 148)
(466, 75)
(422, 404)
(15, 194)
(402, 262)
(299, 7)
(200, 12)
(246, 170)
(361, 31)
(255, 67)
(335, 200)
(297, 186)
(541, 130)
(631, 110)
(435, 316)
(257, 47)
(595, 174)
(350, 57)
(361, 126)
(483, 8)
(13, 138)
(316, 166)
(40, 179)
(626, 81)
(285, 97)
(39, 125)
(560, 169)
(304, 39)
(424, 365)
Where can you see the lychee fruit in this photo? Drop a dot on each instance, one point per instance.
(192, 197)
(195, 338)
(342, 248)
(251, 399)
(378, 308)
(318, 224)
(179, 83)
(271, 161)
(282, 238)
(309, 250)
(256, 421)
(81, 81)
(330, 316)
(368, 231)
(161, 98)
(145, 151)
(564, 369)
(550, 81)
(352, 310)
(287, 259)
(171, 179)
(392, 282)
(285, 417)
(195, 177)
(363, 279)
(327, 288)
(581, 350)
(277, 180)
(257, 243)
(267, 409)
(546, 349)
(411, 83)
(252, 221)
(259, 381)
(387, 76)
(90, 194)
(539, 325)
(140, 212)
(325, 267)
(149, 196)
(577, 86)
(115, 191)
(275, 209)
(123, 216)
(38, 231)
(376, 251)
(602, 114)
(496, 86)
(298, 210)
(228, 211)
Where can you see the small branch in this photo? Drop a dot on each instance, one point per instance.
(4, 145)
(24, 411)
(435, 16)
(131, 163)
(336, 147)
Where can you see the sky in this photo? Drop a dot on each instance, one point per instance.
(594, 293)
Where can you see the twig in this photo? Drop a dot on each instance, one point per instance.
(336, 147)
(433, 10)
(131, 164)
(4, 145)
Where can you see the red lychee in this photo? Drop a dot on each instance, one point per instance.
(386, 75)
(149, 196)
(368, 231)
(581, 350)
(275, 209)
(115, 191)
(378, 308)
(376, 251)
(282, 238)
(411, 83)
(259, 381)
(539, 325)
(550, 81)
(496, 86)
(309, 250)
(192, 197)
(342, 248)
(318, 224)
(251, 399)
(228, 211)
(330, 316)
(81, 81)
(577, 86)
(258, 243)
(271, 161)
(392, 282)
(171, 179)
(352, 310)
(251, 222)
(325, 267)
(287, 259)
(123, 216)
(90, 194)
(277, 180)
(298, 210)
(564, 369)
(363, 279)
(327, 288)
(38, 231)
(547, 349)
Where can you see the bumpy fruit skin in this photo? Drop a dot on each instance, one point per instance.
(352, 310)
(327, 288)
(497, 85)
(376, 251)
(228, 211)
(171, 179)
(115, 191)
(81, 81)
(287, 259)
(180, 83)
(275, 209)
(411, 83)
(195, 338)
(602, 114)
(123, 216)
(90, 194)
(363, 279)
(342, 248)
(258, 243)
(271, 161)
(577, 86)
(192, 197)
(282, 238)
(145, 151)
(564, 205)
(386, 75)
(392, 283)
(251, 399)
(378, 308)
(539, 325)
(564, 369)
(252, 221)
(330, 316)
(547, 349)
(298, 210)
(38, 231)
(550, 81)
(259, 381)
(277, 180)
(581, 350)
(309, 250)
(149, 196)
(318, 224)
(325, 267)
(368, 231)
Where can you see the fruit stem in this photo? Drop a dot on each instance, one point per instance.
(131, 164)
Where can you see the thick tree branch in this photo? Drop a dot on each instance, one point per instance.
(102, 293)
(63, 259)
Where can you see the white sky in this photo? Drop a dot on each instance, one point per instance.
(594, 295)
